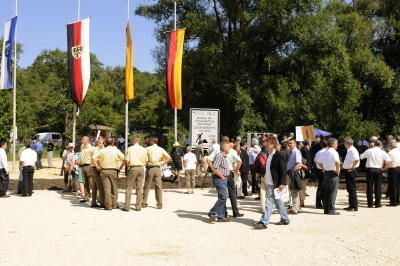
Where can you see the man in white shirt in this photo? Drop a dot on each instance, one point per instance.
(377, 160)
(320, 175)
(4, 173)
(27, 161)
(330, 164)
(190, 161)
(394, 174)
(350, 165)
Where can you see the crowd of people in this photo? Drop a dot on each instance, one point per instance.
(267, 168)
(279, 167)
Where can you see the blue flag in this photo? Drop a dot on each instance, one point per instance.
(6, 81)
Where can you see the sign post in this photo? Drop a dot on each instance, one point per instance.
(204, 125)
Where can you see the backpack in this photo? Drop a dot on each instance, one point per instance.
(260, 162)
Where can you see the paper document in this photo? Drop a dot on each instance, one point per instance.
(281, 194)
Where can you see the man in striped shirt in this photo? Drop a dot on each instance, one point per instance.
(221, 172)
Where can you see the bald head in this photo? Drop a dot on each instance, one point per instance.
(85, 140)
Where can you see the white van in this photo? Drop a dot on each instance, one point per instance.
(45, 136)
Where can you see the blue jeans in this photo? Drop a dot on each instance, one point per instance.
(219, 208)
(269, 204)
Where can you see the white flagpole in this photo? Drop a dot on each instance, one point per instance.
(175, 109)
(127, 104)
(75, 105)
(15, 93)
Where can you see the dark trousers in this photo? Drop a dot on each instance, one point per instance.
(232, 195)
(27, 173)
(254, 184)
(219, 208)
(374, 184)
(331, 185)
(394, 180)
(4, 180)
(351, 188)
(320, 190)
(39, 160)
(244, 182)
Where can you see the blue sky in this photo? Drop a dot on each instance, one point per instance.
(41, 26)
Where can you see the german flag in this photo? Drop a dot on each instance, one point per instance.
(174, 54)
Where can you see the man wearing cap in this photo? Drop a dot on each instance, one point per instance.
(87, 151)
(95, 174)
(157, 157)
(109, 161)
(136, 159)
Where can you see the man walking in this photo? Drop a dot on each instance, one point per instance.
(4, 171)
(294, 166)
(330, 164)
(377, 160)
(350, 165)
(38, 148)
(87, 151)
(221, 172)
(109, 161)
(28, 160)
(136, 160)
(394, 174)
(319, 204)
(95, 174)
(50, 149)
(157, 157)
(252, 158)
(274, 177)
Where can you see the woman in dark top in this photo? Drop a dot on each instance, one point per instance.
(177, 156)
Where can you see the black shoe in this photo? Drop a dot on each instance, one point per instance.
(320, 207)
(82, 201)
(95, 206)
(260, 225)
(283, 223)
(238, 215)
(241, 197)
(5, 196)
(334, 213)
(102, 206)
(125, 209)
(350, 209)
(392, 205)
(258, 198)
(370, 206)
(378, 206)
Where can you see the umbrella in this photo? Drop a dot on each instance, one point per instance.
(321, 133)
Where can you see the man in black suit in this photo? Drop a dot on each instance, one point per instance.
(244, 168)
(273, 178)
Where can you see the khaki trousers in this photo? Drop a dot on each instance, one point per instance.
(86, 173)
(110, 181)
(97, 187)
(190, 176)
(153, 175)
(303, 191)
(135, 178)
(296, 200)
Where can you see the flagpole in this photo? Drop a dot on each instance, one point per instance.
(15, 94)
(127, 104)
(175, 109)
(75, 105)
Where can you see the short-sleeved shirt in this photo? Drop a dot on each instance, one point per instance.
(109, 158)
(318, 157)
(351, 156)
(37, 146)
(137, 156)
(70, 159)
(50, 146)
(96, 150)
(395, 157)
(329, 159)
(221, 164)
(190, 161)
(177, 155)
(86, 154)
(376, 157)
(28, 157)
(294, 158)
(233, 158)
(252, 157)
(156, 155)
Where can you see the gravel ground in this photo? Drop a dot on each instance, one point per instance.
(52, 228)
